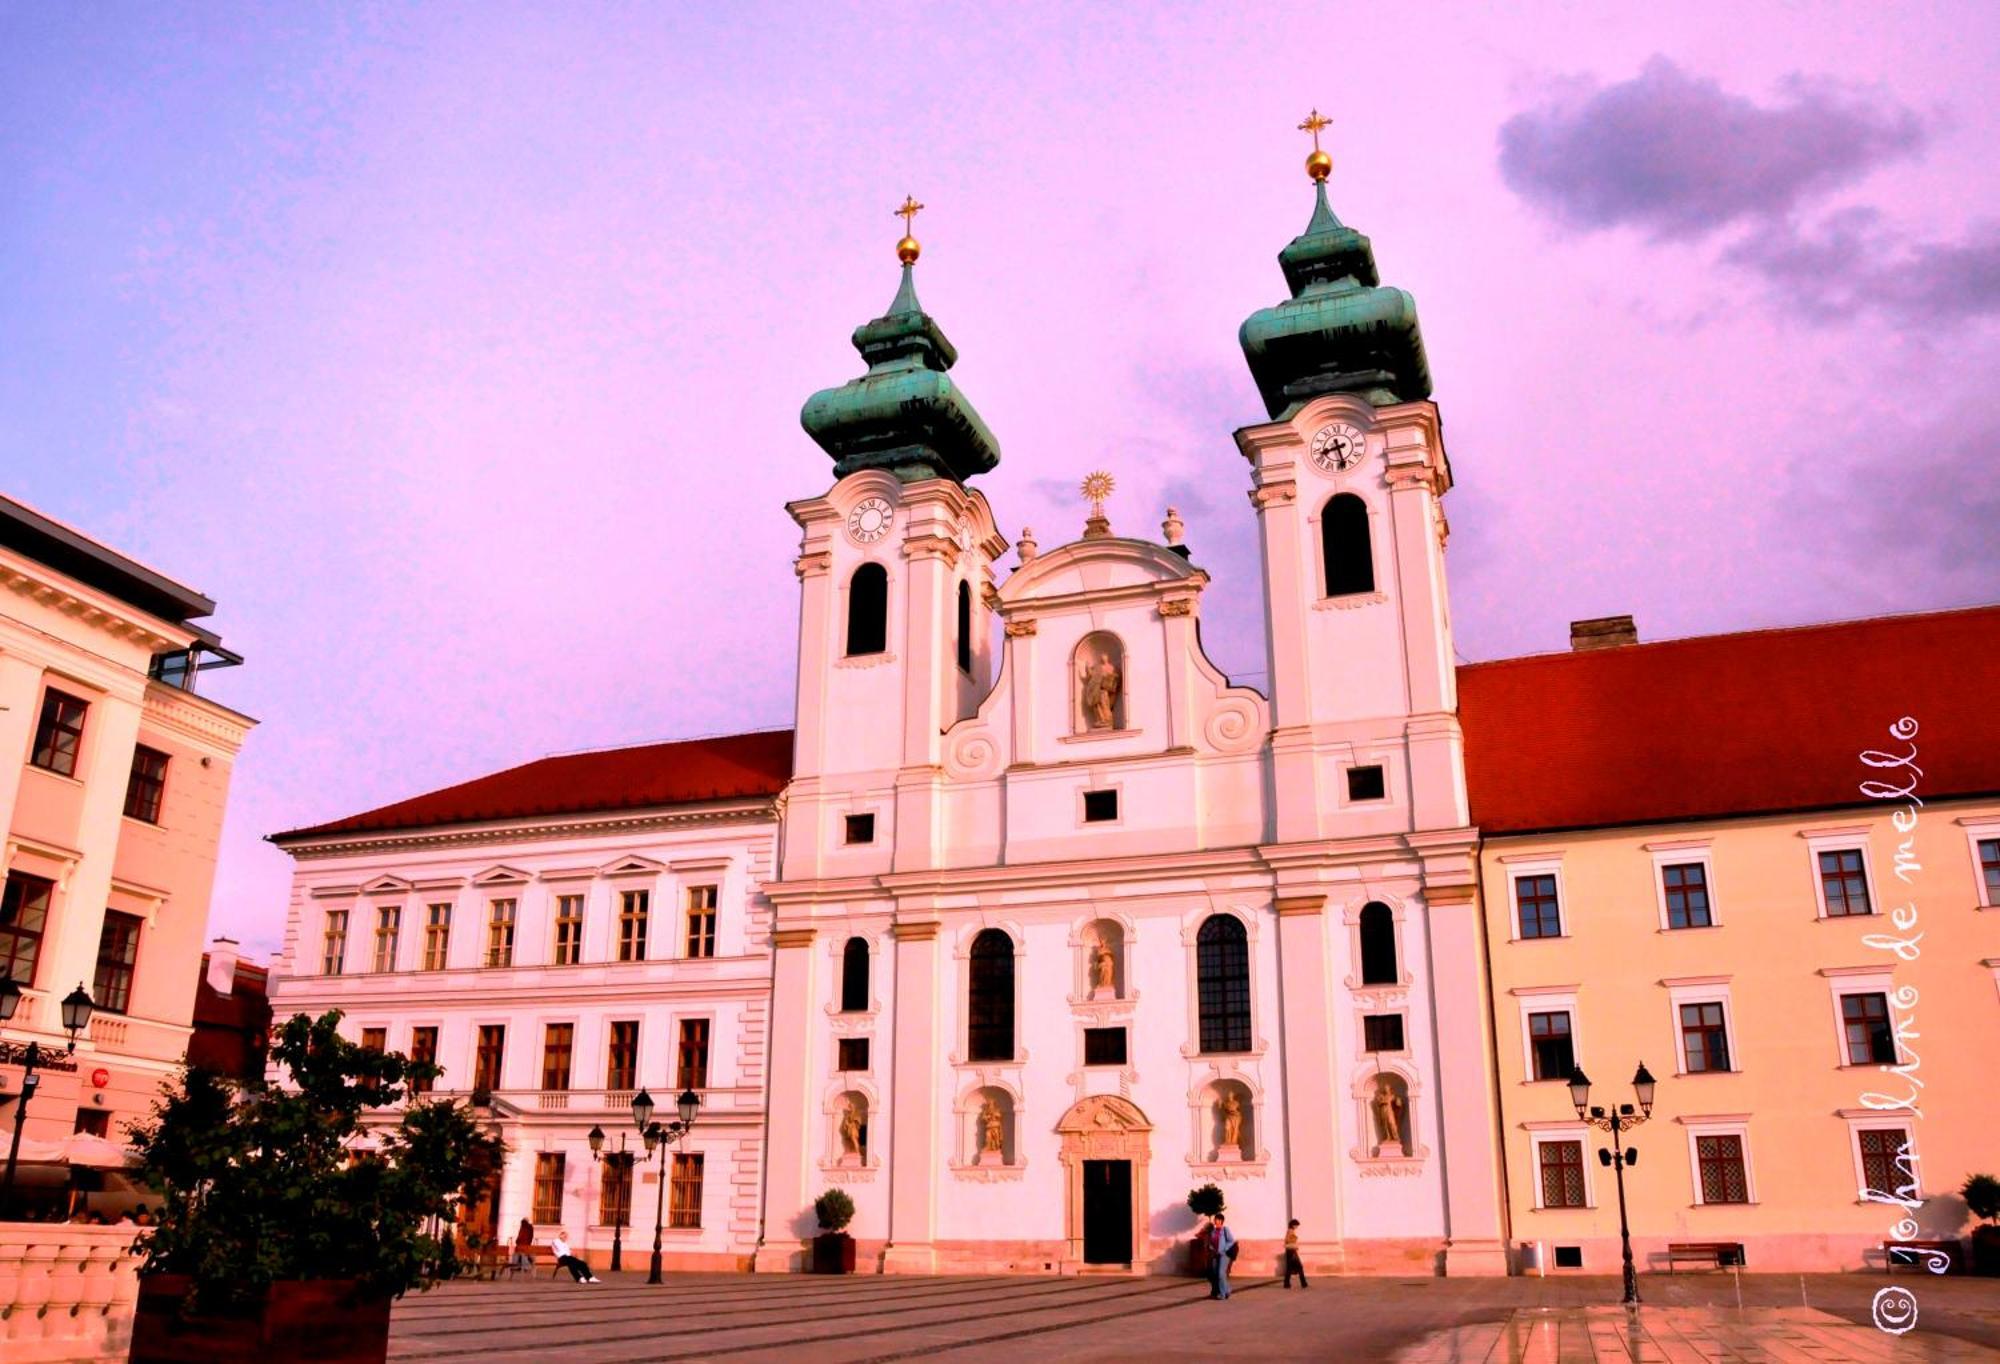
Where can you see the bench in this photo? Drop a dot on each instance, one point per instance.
(1939, 1257)
(1707, 1254)
(538, 1258)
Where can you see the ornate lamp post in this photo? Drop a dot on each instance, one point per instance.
(76, 1011)
(658, 1137)
(623, 1159)
(1618, 1120)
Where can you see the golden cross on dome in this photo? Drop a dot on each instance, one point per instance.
(1320, 164)
(1313, 124)
(908, 212)
(907, 250)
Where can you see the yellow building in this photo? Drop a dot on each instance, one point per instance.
(113, 776)
(1766, 865)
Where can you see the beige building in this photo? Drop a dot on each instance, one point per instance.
(113, 776)
(1767, 865)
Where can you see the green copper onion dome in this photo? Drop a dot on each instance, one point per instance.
(905, 414)
(1342, 330)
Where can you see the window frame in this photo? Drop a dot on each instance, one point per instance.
(50, 725)
(552, 1054)
(417, 1053)
(862, 822)
(1740, 1129)
(1684, 854)
(1396, 976)
(333, 941)
(1980, 830)
(389, 931)
(841, 1049)
(1838, 841)
(1124, 1034)
(437, 935)
(1888, 1119)
(1227, 1013)
(1578, 1135)
(1348, 774)
(14, 936)
(1895, 1057)
(634, 926)
(851, 989)
(611, 1045)
(502, 931)
(567, 947)
(998, 992)
(617, 1177)
(1516, 872)
(685, 1190)
(498, 1073)
(1327, 531)
(701, 923)
(850, 635)
(1542, 1000)
(1691, 990)
(1706, 1030)
(151, 784)
(1402, 1023)
(685, 1076)
(101, 994)
(1568, 1039)
(551, 1169)
(1086, 820)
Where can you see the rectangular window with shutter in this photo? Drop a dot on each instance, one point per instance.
(549, 1187)
(1723, 1178)
(556, 1041)
(692, 1072)
(1562, 1173)
(621, 1070)
(684, 1196)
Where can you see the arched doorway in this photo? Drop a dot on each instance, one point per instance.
(1106, 1148)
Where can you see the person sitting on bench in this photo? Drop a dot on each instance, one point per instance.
(578, 1270)
(524, 1247)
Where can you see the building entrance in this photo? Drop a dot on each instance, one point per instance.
(1107, 1212)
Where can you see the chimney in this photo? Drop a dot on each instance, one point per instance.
(1605, 632)
(222, 955)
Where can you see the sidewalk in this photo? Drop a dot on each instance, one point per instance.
(1679, 1335)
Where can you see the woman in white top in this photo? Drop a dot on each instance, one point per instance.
(578, 1270)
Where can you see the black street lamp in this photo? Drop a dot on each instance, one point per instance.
(642, 1115)
(1617, 1121)
(76, 1011)
(658, 1137)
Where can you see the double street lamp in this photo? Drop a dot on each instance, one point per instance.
(76, 1011)
(658, 1136)
(1617, 1120)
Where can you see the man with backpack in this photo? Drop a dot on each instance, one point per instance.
(1221, 1255)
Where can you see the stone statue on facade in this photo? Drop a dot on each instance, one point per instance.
(992, 1134)
(850, 1133)
(1388, 1114)
(1230, 1110)
(1102, 968)
(1101, 688)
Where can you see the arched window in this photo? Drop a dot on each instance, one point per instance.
(868, 610)
(1378, 945)
(1344, 553)
(965, 627)
(1222, 979)
(990, 1009)
(854, 977)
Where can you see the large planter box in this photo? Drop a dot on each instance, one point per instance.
(1198, 1255)
(327, 1321)
(833, 1253)
(1986, 1249)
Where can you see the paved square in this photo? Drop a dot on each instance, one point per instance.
(1689, 1319)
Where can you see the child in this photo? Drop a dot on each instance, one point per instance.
(1293, 1264)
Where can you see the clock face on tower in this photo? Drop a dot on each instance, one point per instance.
(869, 521)
(1336, 446)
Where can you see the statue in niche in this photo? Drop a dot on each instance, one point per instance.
(1230, 1110)
(991, 1127)
(850, 1129)
(1388, 1114)
(1101, 688)
(1102, 966)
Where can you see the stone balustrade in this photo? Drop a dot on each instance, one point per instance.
(66, 1292)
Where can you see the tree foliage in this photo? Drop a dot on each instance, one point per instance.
(262, 1186)
(1205, 1201)
(1982, 1196)
(834, 1209)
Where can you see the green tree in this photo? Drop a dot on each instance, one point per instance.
(1982, 1196)
(1205, 1201)
(262, 1186)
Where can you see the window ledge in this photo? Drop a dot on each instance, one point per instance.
(864, 660)
(1347, 601)
(1746, 1203)
(1550, 937)
(51, 772)
(1093, 735)
(1689, 928)
(1698, 1074)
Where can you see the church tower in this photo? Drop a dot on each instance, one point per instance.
(895, 571)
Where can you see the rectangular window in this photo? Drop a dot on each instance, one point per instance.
(1562, 1173)
(1870, 1038)
(1100, 807)
(691, 1072)
(614, 1198)
(375, 1039)
(860, 828)
(854, 1053)
(1551, 1045)
(1104, 1046)
(1723, 1179)
(59, 733)
(1884, 1167)
(701, 921)
(486, 1060)
(621, 1071)
(388, 929)
(24, 916)
(1382, 1032)
(1540, 915)
(117, 954)
(500, 934)
(633, 908)
(1366, 783)
(1843, 876)
(1989, 868)
(437, 937)
(684, 1196)
(556, 1040)
(333, 943)
(1704, 1037)
(1569, 1257)
(548, 1187)
(93, 1122)
(146, 788)
(1686, 888)
(424, 1048)
(569, 930)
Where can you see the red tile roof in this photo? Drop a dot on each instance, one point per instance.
(730, 767)
(1730, 724)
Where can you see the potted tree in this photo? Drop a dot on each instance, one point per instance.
(1203, 1202)
(833, 1248)
(1982, 1198)
(275, 1239)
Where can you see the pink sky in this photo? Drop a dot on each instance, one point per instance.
(458, 351)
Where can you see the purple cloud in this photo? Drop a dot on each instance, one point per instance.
(1851, 265)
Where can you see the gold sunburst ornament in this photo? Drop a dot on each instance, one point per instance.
(1097, 486)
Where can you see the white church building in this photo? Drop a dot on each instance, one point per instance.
(1071, 926)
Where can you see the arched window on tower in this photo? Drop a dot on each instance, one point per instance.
(1378, 945)
(868, 610)
(965, 627)
(990, 1005)
(854, 977)
(1222, 981)
(1345, 555)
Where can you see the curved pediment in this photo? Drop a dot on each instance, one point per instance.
(1097, 567)
(1104, 1113)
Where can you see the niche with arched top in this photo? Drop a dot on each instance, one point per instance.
(1104, 960)
(1387, 1116)
(850, 1129)
(989, 1127)
(1378, 945)
(1098, 670)
(1230, 1122)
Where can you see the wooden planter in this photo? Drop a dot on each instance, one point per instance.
(833, 1253)
(327, 1321)
(1198, 1254)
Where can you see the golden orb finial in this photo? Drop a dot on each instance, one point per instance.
(1320, 164)
(908, 249)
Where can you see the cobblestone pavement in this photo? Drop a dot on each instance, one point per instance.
(1691, 1318)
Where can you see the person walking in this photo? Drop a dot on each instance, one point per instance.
(524, 1247)
(1293, 1264)
(1221, 1254)
(578, 1270)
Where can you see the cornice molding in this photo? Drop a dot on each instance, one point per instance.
(763, 812)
